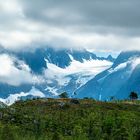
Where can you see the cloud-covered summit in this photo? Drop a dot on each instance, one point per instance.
(105, 26)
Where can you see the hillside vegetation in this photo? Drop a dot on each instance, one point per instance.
(69, 119)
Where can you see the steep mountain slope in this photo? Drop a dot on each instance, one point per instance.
(60, 58)
(73, 76)
(118, 81)
(47, 70)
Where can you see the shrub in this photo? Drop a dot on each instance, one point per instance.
(74, 101)
(63, 95)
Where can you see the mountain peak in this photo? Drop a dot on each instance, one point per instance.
(110, 58)
(119, 80)
(125, 56)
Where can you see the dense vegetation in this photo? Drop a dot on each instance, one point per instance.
(66, 119)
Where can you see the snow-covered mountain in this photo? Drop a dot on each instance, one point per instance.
(47, 71)
(119, 80)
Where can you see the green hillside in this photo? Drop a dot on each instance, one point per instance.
(66, 119)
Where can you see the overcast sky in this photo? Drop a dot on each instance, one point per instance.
(108, 26)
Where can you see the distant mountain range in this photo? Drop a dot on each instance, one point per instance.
(47, 72)
(118, 81)
(59, 71)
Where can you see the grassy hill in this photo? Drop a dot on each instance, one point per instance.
(66, 119)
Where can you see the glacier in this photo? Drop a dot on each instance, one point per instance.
(48, 70)
(117, 81)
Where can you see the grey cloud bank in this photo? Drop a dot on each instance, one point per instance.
(106, 26)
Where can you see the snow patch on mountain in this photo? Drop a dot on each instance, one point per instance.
(119, 67)
(136, 61)
(119, 80)
(15, 97)
(52, 90)
(49, 70)
(89, 68)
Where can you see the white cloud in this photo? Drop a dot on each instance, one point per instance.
(23, 23)
(11, 7)
(19, 28)
(16, 74)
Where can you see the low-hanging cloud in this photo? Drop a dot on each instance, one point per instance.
(15, 72)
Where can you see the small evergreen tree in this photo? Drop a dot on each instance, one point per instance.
(133, 96)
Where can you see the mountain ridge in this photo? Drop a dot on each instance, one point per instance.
(118, 81)
(59, 70)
